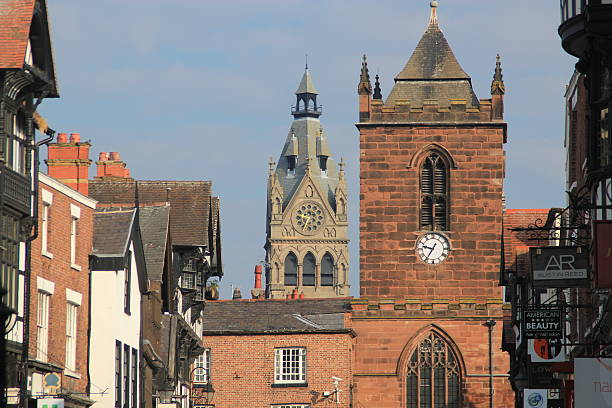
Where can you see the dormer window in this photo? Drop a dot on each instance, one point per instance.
(291, 164)
(323, 165)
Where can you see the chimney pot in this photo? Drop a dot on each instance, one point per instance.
(258, 270)
(294, 294)
(115, 156)
(103, 156)
(237, 294)
(75, 137)
(302, 296)
(62, 138)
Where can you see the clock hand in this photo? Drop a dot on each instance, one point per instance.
(432, 249)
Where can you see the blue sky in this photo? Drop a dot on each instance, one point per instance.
(202, 89)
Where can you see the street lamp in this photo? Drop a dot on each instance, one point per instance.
(489, 324)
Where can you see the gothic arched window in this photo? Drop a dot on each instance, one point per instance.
(434, 193)
(291, 270)
(327, 270)
(309, 270)
(433, 375)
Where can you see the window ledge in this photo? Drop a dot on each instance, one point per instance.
(72, 374)
(76, 267)
(287, 385)
(47, 254)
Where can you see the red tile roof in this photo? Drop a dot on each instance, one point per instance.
(517, 243)
(15, 21)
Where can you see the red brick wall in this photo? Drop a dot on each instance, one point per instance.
(243, 369)
(389, 212)
(59, 270)
(386, 339)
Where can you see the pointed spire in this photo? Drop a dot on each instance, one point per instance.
(433, 57)
(497, 86)
(306, 85)
(433, 18)
(377, 92)
(364, 87)
(341, 165)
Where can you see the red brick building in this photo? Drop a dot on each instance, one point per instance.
(432, 172)
(59, 295)
(275, 353)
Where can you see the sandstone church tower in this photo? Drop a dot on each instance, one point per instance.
(432, 172)
(307, 244)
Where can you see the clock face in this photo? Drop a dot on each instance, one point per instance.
(433, 248)
(308, 218)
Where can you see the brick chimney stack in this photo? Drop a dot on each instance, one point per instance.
(110, 165)
(68, 161)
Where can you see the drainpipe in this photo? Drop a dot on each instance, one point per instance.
(23, 386)
(490, 324)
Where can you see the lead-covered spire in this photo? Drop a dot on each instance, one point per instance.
(497, 86)
(306, 94)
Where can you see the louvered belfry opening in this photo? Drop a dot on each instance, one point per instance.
(433, 376)
(434, 193)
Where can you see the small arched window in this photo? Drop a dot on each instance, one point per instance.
(309, 270)
(291, 270)
(434, 193)
(327, 270)
(433, 375)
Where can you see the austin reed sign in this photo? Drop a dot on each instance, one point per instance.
(559, 267)
(542, 323)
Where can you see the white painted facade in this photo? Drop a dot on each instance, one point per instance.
(110, 323)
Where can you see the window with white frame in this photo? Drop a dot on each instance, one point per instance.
(42, 326)
(290, 365)
(201, 373)
(45, 233)
(71, 324)
(75, 213)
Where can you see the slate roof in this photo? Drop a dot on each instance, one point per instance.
(432, 72)
(306, 84)
(275, 316)
(307, 137)
(112, 229)
(154, 223)
(15, 21)
(189, 203)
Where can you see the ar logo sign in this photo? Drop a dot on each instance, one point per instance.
(559, 264)
(556, 264)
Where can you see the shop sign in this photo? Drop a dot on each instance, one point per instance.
(603, 253)
(541, 376)
(559, 267)
(542, 323)
(593, 382)
(535, 398)
(50, 403)
(546, 350)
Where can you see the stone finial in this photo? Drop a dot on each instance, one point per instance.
(433, 18)
(364, 87)
(271, 164)
(377, 92)
(497, 86)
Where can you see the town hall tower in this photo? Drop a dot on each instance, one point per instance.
(307, 244)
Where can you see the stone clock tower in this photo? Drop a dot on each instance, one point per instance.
(307, 244)
(430, 318)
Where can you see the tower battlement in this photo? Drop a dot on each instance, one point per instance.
(431, 110)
